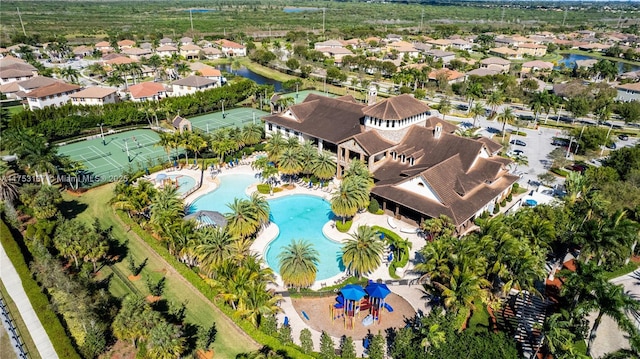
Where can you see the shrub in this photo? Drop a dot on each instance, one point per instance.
(560, 172)
(344, 227)
(503, 203)
(374, 206)
(263, 188)
(496, 209)
(284, 334)
(509, 197)
(516, 185)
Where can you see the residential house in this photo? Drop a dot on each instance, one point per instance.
(628, 92)
(104, 47)
(186, 41)
(13, 69)
(505, 53)
(19, 89)
(200, 69)
(439, 55)
(421, 169)
(126, 44)
(56, 94)
(440, 44)
(483, 71)
(535, 50)
(166, 42)
(81, 51)
(94, 96)
(460, 44)
(504, 41)
(190, 51)
(211, 53)
(136, 53)
(146, 46)
(336, 53)
(192, 84)
(452, 76)
(495, 63)
(536, 65)
(166, 50)
(595, 47)
(403, 48)
(328, 44)
(230, 48)
(147, 91)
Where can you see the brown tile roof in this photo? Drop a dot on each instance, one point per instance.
(146, 89)
(166, 48)
(446, 126)
(372, 143)
(451, 74)
(494, 61)
(397, 108)
(94, 92)
(333, 120)
(53, 89)
(126, 43)
(190, 47)
(231, 44)
(112, 56)
(103, 44)
(492, 146)
(194, 81)
(136, 51)
(36, 82)
(121, 61)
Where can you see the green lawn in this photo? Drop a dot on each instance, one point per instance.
(93, 204)
(15, 109)
(7, 351)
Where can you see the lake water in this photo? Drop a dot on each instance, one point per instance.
(245, 72)
(293, 10)
(200, 10)
(569, 61)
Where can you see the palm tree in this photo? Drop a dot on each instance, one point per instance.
(214, 248)
(610, 299)
(252, 134)
(444, 107)
(70, 74)
(165, 141)
(505, 116)
(165, 341)
(197, 144)
(473, 92)
(494, 100)
(538, 103)
(308, 153)
(290, 162)
(258, 302)
(166, 209)
(323, 166)
(8, 186)
(476, 111)
(275, 146)
(558, 336)
(345, 202)
(242, 222)
(362, 253)
(260, 206)
(298, 264)
(437, 227)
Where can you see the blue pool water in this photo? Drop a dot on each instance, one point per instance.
(297, 217)
(302, 217)
(185, 183)
(231, 187)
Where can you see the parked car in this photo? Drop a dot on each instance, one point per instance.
(560, 142)
(611, 145)
(518, 152)
(623, 137)
(518, 143)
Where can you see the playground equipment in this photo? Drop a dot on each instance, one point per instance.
(354, 300)
(377, 293)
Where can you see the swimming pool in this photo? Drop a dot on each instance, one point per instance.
(231, 186)
(297, 217)
(185, 183)
(302, 217)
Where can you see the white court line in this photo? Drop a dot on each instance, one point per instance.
(87, 162)
(106, 157)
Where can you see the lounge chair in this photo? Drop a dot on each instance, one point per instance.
(408, 230)
(391, 222)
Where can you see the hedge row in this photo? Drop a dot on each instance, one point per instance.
(208, 292)
(39, 301)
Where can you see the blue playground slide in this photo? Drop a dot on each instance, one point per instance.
(388, 307)
(305, 315)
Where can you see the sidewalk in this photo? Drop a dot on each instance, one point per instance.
(13, 284)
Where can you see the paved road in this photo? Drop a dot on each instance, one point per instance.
(13, 284)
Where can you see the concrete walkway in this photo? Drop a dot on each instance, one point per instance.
(13, 284)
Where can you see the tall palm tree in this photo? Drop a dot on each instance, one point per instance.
(437, 227)
(290, 162)
(166, 209)
(538, 103)
(252, 134)
(308, 153)
(558, 336)
(362, 253)
(214, 248)
(506, 116)
(8, 186)
(275, 146)
(298, 264)
(345, 201)
(494, 100)
(242, 221)
(260, 207)
(258, 302)
(476, 111)
(323, 166)
(165, 141)
(444, 107)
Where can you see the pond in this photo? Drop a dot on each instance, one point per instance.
(245, 72)
(293, 10)
(200, 10)
(569, 61)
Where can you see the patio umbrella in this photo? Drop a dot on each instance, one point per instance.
(352, 292)
(161, 177)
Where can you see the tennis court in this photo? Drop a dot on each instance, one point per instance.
(236, 117)
(132, 149)
(301, 95)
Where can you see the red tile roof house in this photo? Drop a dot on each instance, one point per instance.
(94, 96)
(104, 47)
(56, 94)
(230, 48)
(147, 91)
(13, 69)
(421, 168)
(19, 89)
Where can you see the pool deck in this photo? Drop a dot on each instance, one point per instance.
(412, 293)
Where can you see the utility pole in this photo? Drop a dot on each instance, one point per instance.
(606, 139)
(421, 20)
(502, 16)
(21, 23)
(323, 22)
(564, 19)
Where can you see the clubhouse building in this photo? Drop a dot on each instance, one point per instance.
(421, 168)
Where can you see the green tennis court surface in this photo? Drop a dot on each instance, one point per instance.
(299, 96)
(108, 160)
(237, 117)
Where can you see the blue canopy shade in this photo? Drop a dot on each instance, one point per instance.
(531, 202)
(377, 290)
(352, 292)
(161, 177)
